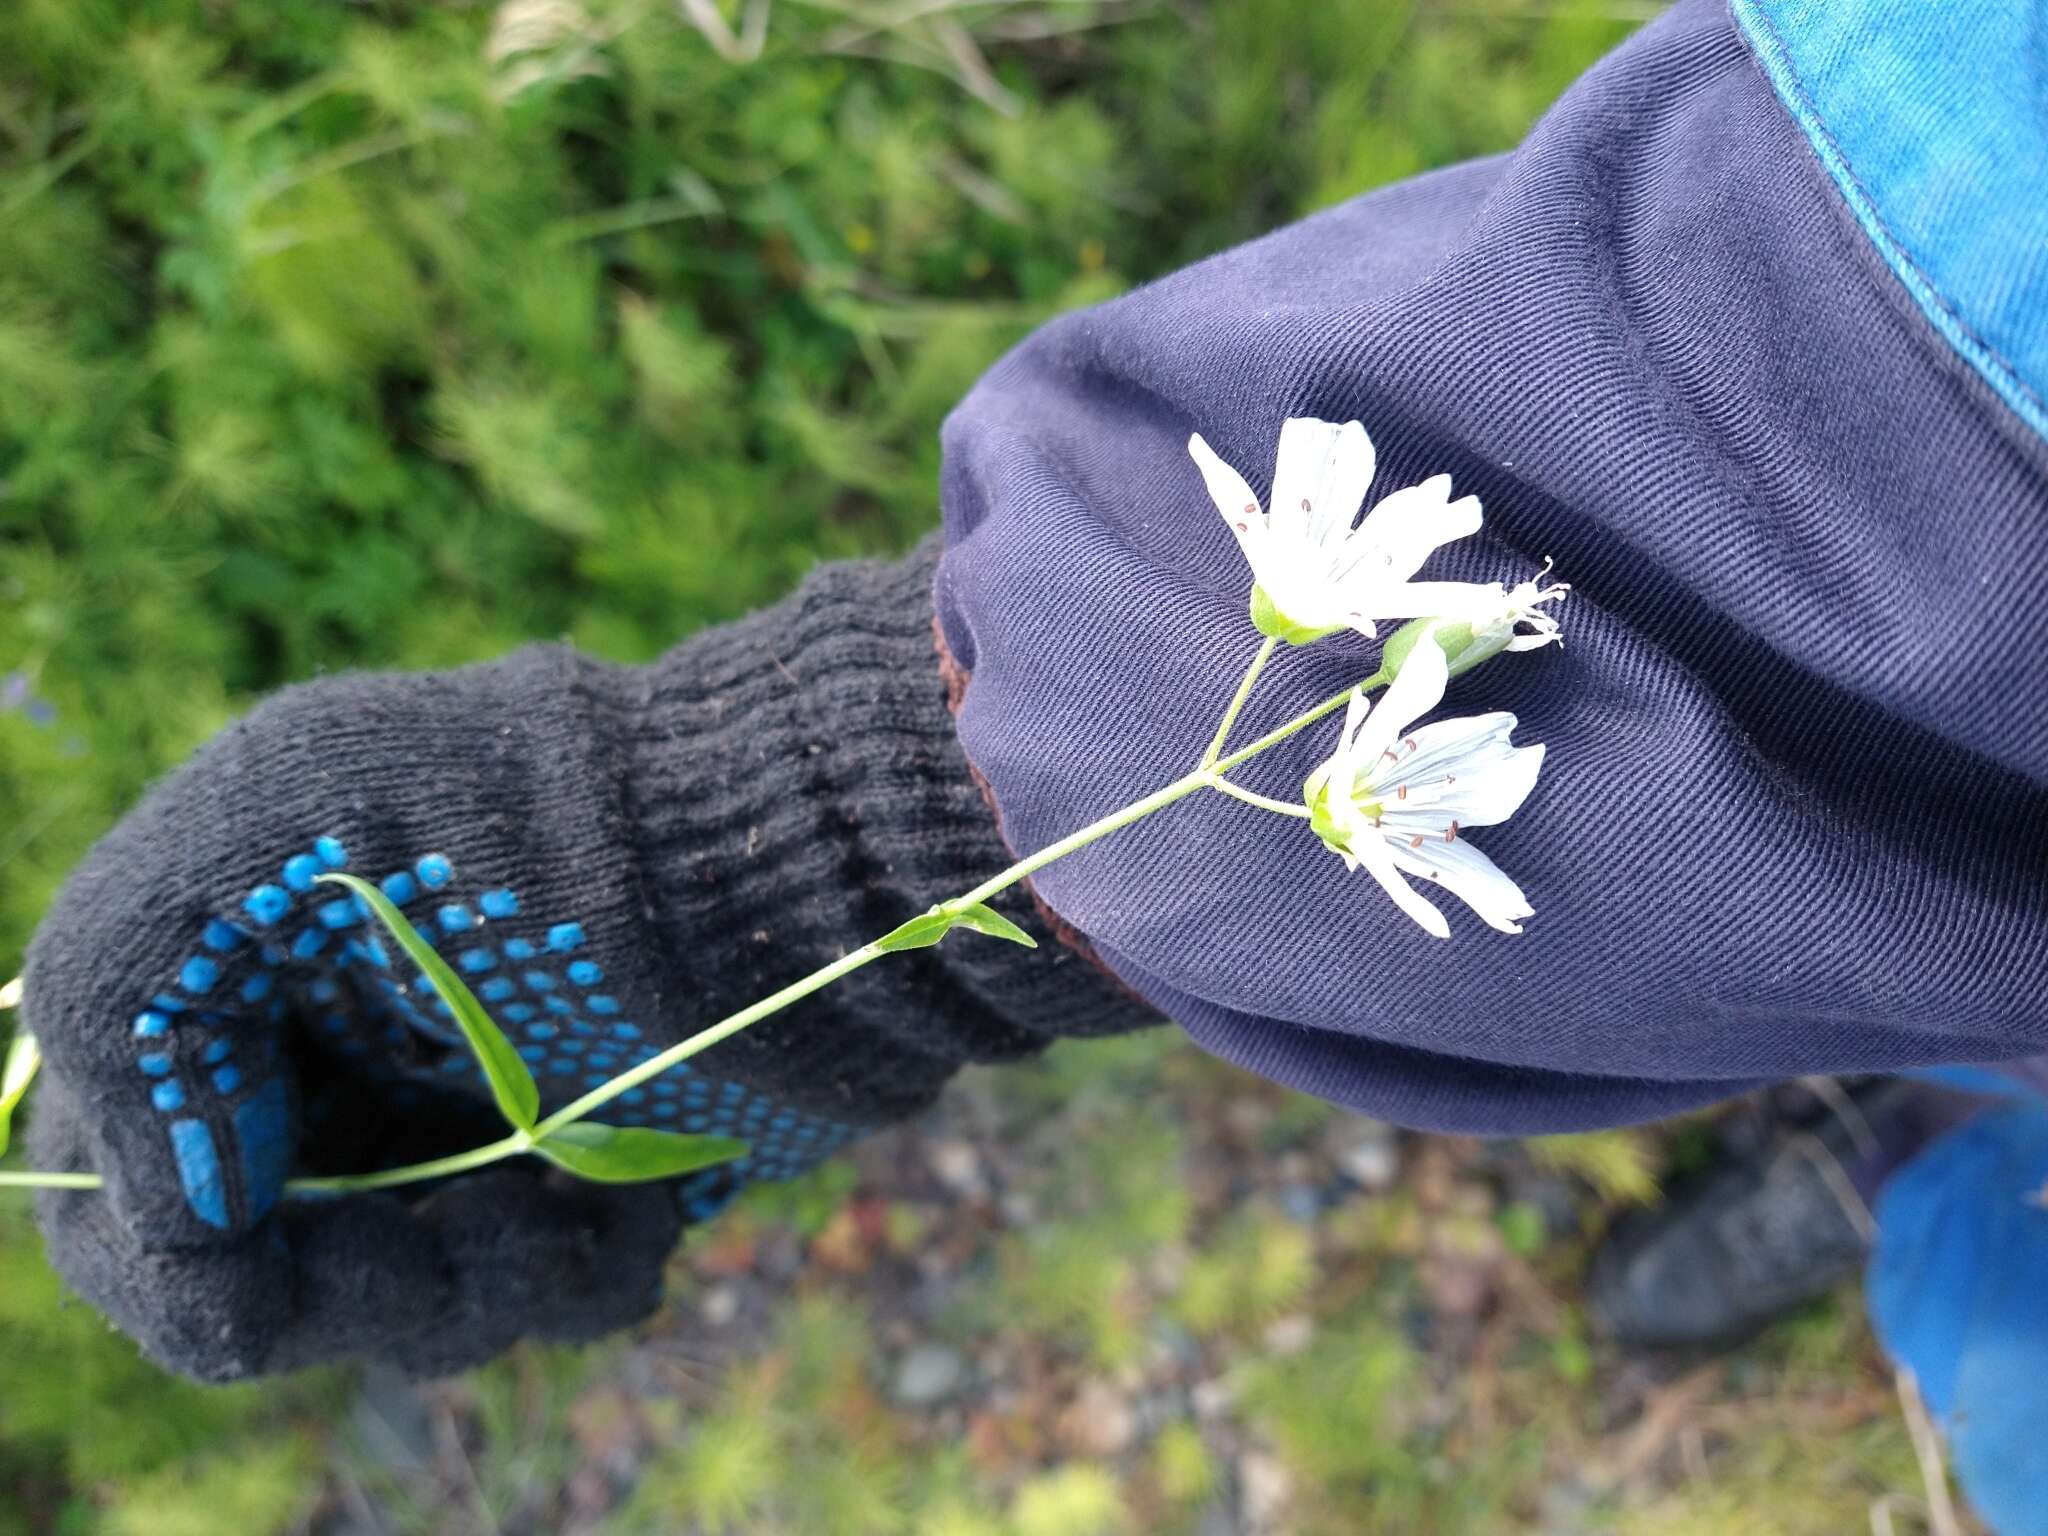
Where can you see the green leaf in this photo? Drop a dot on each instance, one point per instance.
(612, 1154)
(986, 919)
(926, 929)
(512, 1085)
(23, 1057)
(921, 932)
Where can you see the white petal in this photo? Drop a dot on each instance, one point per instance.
(1477, 795)
(1291, 572)
(1378, 860)
(1341, 767)
(1469, 875)
(1233, 498)
(1451, 746)
(1486, 794)
(1465, 601)
(1354, 713)
(1320, 476)
(1406, 528)
(1413, 774)
(1416, 691)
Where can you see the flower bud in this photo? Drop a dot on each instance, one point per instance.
(1455, 637)
(1469, 640)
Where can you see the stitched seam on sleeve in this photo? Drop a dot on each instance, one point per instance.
(1996, 369)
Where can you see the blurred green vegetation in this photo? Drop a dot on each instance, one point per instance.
(402, 331)
(1331, 1351)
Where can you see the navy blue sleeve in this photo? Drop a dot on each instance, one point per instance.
(1794, 815)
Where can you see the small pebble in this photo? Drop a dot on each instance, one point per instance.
(929, 1374)
(1367, 1153)
(1288, 1335)
(956, 1165)
(1265, 1488)
(1098, 1422)
(721, 1304)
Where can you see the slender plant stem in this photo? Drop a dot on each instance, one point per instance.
(337, 1184)
(1159, 799)
(1300, 722)
(49, 1181)
(460, 1162)
(1208, 775)
(1244, 692)
(704, 1039)
(1277, 807)
(1137, 810)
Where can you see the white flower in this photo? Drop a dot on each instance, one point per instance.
(1399, 802)
(1317, 574)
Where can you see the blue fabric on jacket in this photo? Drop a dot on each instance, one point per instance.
(1933, 122)
(1795, 812)
(1955, 1291)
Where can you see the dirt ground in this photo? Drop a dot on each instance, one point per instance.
(1132, 1290)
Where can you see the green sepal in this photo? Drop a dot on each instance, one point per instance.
(1316, 793)
(24, 1056)
(1463, 646)
(921, 932)
(511, 1084)
(986, 919)
(613, 1154)
(1268, 620)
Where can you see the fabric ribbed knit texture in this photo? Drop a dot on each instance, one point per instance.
(1794, 813)
(614, 857)
(822, 800)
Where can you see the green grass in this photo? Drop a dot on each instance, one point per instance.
(397, 333)
(1391, 1418)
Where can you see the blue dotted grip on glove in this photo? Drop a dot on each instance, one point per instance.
(295, 952)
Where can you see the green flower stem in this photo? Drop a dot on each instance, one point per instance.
(1278, 807)
(1300, 722)
(49, 1181)
(704, 1039)
(1137, 810)
(337, 1184)
(1244, 692)
(1203, 777)
(412, 1173)
(1208, 775)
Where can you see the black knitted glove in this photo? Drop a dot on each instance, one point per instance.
(615, 857)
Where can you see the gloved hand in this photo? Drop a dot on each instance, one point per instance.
(615, 857)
